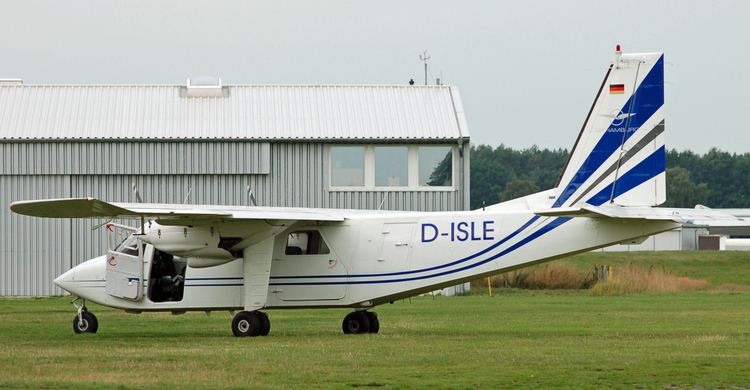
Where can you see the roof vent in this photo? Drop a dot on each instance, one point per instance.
(204, 86)
(11, 82)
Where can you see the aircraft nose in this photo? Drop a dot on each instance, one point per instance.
(65, 281)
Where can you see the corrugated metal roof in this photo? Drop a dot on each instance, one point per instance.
(258, 112)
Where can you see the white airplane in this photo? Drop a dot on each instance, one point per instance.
(190, 257)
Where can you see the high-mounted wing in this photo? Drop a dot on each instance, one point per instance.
(166, 214)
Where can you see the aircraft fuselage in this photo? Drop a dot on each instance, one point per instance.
(366, 260)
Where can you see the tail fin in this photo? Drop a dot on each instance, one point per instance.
(619, 156)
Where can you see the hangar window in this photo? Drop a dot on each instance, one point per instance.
(347, 166)
(307, 242)
(436, 166)
(391, 166)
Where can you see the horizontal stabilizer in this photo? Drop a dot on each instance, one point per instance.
(566, 212)
(697, 216)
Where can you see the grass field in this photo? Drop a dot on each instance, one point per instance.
(516, 339)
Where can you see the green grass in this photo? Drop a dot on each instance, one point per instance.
(516, 339)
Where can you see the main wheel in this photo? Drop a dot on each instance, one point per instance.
(356, 323)
(87, 324)
(246, 323)
(374, 322)
(265, 324)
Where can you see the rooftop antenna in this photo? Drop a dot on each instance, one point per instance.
(424, 58)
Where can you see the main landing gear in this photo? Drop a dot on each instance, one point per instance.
(251, 323)
(84, 321)
(358, 322)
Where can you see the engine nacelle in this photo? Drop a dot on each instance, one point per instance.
(204, 262)
(200, 244)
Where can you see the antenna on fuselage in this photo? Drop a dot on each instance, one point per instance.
(250, 197)
(187, 196)
(137, 195)
(382, 202)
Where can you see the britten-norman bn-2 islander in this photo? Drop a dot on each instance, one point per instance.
(189, 257)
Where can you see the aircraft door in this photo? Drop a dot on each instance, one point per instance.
(301, 253)
(396, 250)
(124, 277)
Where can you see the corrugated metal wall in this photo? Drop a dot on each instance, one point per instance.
(35, 251)
(112, 158)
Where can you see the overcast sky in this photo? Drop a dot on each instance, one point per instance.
(527, 70)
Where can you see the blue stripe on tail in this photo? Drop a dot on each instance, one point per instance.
(646, 170)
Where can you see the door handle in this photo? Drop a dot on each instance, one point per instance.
(401, 244)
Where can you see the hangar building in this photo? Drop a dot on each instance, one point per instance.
(350, 146)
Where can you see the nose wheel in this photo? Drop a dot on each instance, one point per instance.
(359, 322)
(251, 324)
(84, 321)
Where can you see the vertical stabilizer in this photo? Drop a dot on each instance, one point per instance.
(619, 156)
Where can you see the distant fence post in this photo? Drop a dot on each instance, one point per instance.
(603, 273)
(489, 284)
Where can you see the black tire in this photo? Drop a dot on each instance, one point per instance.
(88, 323)
(246, 323)
(265, 324)
(374, 322)
(356, 323)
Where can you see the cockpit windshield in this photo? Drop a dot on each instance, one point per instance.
(128, 246)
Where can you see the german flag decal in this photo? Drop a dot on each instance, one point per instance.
(617, 88)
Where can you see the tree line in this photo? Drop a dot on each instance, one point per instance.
(714, 179)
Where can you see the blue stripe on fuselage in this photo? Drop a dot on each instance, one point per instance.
(459, 261)
(555, 223)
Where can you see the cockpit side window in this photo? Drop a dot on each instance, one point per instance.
(306, 242)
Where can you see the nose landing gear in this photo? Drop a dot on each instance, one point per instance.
(84, 321)
(359, 322)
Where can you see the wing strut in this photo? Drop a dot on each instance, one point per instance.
(257, 272)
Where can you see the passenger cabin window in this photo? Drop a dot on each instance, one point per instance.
(307, 242)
